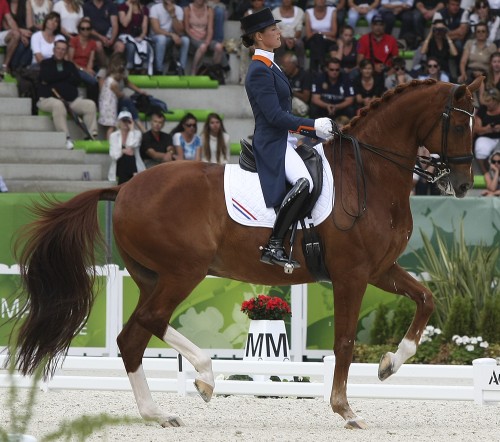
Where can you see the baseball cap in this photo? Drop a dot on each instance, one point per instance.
(377, 18)
(124, 115)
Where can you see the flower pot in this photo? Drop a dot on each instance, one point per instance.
(267, 341)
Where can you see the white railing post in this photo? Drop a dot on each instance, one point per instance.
(329, 363)
(486, 378)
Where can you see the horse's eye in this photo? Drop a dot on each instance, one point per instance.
(459, 129)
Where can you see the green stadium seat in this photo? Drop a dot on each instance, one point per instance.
(479, 182)
(144, 81)
(201, 82)
(92, 146)
(171, 81)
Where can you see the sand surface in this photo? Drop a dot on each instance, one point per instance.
(247, 418)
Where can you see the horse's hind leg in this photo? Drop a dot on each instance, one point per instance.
(400, 282)
(132, 342)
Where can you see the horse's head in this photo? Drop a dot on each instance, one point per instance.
(452, 139)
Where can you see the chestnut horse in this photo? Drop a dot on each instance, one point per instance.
(172, 229)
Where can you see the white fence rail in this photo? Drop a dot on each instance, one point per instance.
(171, 376)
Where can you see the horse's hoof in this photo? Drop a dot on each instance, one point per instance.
(172, 421)
(386, 366)
(356, 424)
(204, 390)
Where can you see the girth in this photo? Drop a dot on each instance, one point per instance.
(312, 159)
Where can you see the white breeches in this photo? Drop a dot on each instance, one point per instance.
(485, 146)
(295, 167)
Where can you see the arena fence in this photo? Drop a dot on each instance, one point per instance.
(480, 382)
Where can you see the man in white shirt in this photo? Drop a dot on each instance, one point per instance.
(167, 29)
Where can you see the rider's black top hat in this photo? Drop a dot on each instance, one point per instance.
(257, 21)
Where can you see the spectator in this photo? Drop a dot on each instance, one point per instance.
(399, 75)
(367, 86)
(493, 75)
(36, 11)
(456, 20)
(22, 55)
(215, 140)
(487, 128)
(255, 6)
(332, 93)
(8, 38)
(57, 75)
(103, 15)
(187, 143)
(82, 51)
(124, 150)
(476, 55)
(483, 14)
(292, 23)
(433, 70)
(320, 33)
(42, 42)
(346, 49)
(157, 146)
(112, 97)
(134, 19)
(424, 12)
(71, 13)
(219, 19)
(300, 83)
(199, 26)
(167, 30)
(492, 176)
(421, 185)
(378, 46)
(361, 8)
(392, 10)
(439, 45)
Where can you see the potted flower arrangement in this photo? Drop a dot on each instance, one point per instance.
(267, 339)
(266, 307)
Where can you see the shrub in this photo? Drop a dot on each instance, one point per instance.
(403, 315)
(461, 319)
(381, 331)
(489, 321)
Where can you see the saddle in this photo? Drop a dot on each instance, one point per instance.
(311, 243)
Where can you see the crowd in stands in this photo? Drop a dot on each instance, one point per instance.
(335, 63)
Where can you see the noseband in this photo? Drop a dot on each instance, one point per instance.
(441, 165)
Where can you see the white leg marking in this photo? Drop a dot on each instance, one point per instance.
(406, 349)
(200, 361)
(147, 408)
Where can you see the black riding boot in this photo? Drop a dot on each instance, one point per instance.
(274, 252)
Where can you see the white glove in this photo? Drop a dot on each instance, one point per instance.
(323, 128)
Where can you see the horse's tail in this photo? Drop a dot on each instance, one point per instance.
(56, 255)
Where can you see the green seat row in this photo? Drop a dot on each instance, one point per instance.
(174, 82)
(172, 115)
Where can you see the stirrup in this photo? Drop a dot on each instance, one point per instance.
(277, 255)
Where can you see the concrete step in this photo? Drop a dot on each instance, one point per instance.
(25, 186)
(50, 172)
(26, 123)
(15, 106)
(34, 139)
(41, 156)
(8, 89)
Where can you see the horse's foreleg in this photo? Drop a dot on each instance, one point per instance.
(204, 382)
(400, 282)
(132, 342)
(347, 303)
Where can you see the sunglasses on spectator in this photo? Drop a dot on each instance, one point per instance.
(495, 161)
(190, 125)
(334, 69)
(482, 7)
(399, 68)
(86, 28)
(432, 65)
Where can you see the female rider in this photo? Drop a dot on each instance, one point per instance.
(270, 97)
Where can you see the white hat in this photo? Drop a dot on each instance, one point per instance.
(124, 114)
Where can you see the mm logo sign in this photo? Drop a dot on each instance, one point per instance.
(267, 346)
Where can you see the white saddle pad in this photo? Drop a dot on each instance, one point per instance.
(245, 201)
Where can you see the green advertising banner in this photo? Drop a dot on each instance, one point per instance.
(211, 315)
(93, 334)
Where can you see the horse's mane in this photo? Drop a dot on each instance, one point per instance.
(375, 104)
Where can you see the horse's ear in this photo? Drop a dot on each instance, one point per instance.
(474, 86)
